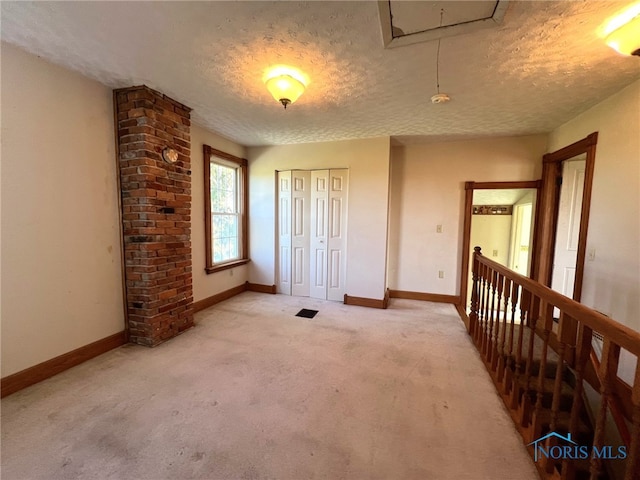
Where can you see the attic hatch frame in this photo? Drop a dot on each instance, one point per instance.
(391, 41)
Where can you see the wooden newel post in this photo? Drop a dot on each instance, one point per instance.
(473, 315)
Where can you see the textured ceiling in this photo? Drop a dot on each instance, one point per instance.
(541, 67)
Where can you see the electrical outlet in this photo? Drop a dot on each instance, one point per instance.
(495, 253)
(438, 228)
(591, 256)
(440, 273)
(231, 272)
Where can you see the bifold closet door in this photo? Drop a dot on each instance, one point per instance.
(300, 220)
(312, 216)
(337, 241)
(284, 233)
(319, 232)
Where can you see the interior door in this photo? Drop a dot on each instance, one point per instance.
(568, 227)
(300, 200)
(319, 233)
(337, 243)
(284, 233)
(521, 248)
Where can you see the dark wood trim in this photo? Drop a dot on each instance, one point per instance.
(546, 228)
(549, 206)
(426, 297)
(364, 302)
(257, 287)
(576, 148)
(232, 292)
(500, 185)
(584, 216)
(218, 297)
(385, 300)
(208, 152)
(49, 368)
(466, 228)
(466, 241)
(226, 266)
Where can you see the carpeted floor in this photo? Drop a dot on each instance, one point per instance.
(254, 392)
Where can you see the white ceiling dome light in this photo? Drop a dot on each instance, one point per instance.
(285, 83)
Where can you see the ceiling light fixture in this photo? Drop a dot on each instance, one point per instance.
(286, 84)
(439, 97)
(622, 31)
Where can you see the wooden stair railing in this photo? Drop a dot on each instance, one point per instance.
(616, 409)
(537, 347)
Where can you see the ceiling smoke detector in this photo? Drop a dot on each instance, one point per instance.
(440, 98)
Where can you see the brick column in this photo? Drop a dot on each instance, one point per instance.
(156, 213)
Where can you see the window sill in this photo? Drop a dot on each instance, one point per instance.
(226, 266)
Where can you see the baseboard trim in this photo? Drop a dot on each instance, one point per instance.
(427, 297)
(256, 287)
(232, 292)
(218, 297)
(365, 302)
(32, 375)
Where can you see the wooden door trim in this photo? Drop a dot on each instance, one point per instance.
(548, 210)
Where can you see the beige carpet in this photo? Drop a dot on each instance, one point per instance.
(254, 392)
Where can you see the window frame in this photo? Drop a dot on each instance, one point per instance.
(209, 154)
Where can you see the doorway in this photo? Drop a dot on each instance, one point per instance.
(565, 202)
(497, 196)
(312, 233)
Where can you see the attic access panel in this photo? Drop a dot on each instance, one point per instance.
(409, 22)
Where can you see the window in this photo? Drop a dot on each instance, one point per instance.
(225, 186)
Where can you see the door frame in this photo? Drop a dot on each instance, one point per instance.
(469, 187)
(548, 207)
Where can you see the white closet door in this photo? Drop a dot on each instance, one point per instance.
(337, 241)
(319, 233)
(284, 233)
(300, 222)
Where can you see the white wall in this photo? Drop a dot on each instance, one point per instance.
(62, 285)
(206, 285)
(612, 280)
(368, 164)
(428, 190)
(493, 234)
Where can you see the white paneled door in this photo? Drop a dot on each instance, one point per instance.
(313, 254)
(568, 229)
(283, 257)
(300, 193)
(319, 232)
(337, 244)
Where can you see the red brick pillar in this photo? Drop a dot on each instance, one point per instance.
(156, 213)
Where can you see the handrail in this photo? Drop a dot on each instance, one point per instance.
(619, 333)
(540, 365)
